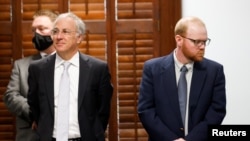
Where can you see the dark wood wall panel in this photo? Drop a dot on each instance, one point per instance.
(7, 122)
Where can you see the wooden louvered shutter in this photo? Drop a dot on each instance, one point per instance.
(93, 13)
(134, 44)
(7, 122)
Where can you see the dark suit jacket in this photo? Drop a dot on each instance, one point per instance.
(15, 98)
(94, 97)
(158, 106)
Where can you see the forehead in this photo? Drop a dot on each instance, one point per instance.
(196, 30)
(65, 23)
(41, 21)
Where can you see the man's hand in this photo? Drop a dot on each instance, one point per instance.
(34, 126)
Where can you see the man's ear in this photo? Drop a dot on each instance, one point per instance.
(80, 38)
(178, 40)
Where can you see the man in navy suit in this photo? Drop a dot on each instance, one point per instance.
(158, 107)
(90, 86)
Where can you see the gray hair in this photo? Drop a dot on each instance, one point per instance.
(80, 25)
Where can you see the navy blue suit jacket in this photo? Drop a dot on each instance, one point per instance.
(158, 106)
(94, 97)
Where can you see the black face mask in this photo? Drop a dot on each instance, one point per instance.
(42, 42)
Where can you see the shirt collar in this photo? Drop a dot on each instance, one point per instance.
(43, 54)
(178, 64)
(74, 60)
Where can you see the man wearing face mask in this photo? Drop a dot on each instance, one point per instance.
(15, 97)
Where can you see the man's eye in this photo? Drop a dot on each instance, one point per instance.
(198, 42)
(54, 32)
(66, 32)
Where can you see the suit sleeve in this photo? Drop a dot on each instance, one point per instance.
(14, 99)
(32, 94)
(105, 94)
(154, 126)
(217, 109)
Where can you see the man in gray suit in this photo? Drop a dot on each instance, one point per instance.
(15, 97)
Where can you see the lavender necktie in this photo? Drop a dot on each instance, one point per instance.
(63, 105)
(182, 92)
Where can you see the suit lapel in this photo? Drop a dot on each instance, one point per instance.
(48, 75)
(169, 82)
(84, 71)
(170, 85)
(197, 83)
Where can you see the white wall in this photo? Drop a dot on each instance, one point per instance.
(228, 24)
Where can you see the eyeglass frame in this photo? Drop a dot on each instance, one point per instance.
(198, 42)
(64, 32)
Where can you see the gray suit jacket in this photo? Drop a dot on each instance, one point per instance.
(15, 98)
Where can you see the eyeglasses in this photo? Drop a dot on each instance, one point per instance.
(64, 32)
(199, 43)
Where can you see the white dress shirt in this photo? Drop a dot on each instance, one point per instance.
(189, 74)
(73, 70)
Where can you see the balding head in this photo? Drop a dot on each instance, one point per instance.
(185, 23)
